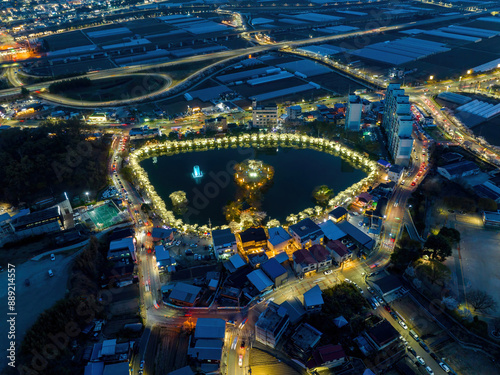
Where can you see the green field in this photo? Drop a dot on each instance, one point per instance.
(116, 88)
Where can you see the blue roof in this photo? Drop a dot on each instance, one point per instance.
(384, 163)
(313, 297)
(282, 257)
(259, 279)
(273, 268)
(278, 235)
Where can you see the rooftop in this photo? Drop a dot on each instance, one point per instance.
(338, 247)
(185, 292)
(259, 279)
(223, 237)
(306, 336)
(120, 368)
(319, 253)
(388, 283)
(338, 212)
(278, 235)
(210, 328)
(305, 227)
(324, 354)
(273, 268)
(356, 234)
(37, 216)
(331, 230)
(161, 233)
(313, 297)
(460, 167)
(302, 256)
(383, 333)
(295, 309)
(253, 234)
(272, 318)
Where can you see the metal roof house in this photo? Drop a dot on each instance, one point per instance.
(224, 242)
(338, 214)
(260, 281)
(278, 240)
(313, 299)
(387, 285)
(458, 170)
(276, 272)
(184, 294)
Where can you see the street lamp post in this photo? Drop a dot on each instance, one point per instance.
(87, 194)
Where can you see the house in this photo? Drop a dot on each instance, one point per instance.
(121, 249)
(382, 335)
(208, 340)
(164, 261)
(322, 256)
(282, 258)
(271, 325)
(260, 281)
(279, 239)
(304, 340)
(264, 116)
(234, 263)
(257, 259)
(387, 285)
(253, 239)
(491, 219)
(458, 170)
(184, 294)
(275, 271)
(313, 299)
(331, 231)
(162, 234)
(120, 368)
(338, 214)
(231, 293)
(224, 243)
(394, 173)
(295, 309)
(326, 357)
(358, 236)
(304, 262)
(339, 251)
(306, 233)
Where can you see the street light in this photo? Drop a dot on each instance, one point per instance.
(431, 77)
(87, 194)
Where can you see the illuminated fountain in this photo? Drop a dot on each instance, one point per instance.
(196, 172)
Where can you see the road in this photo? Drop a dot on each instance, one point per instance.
(123, 71)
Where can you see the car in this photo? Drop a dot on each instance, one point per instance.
(194, 245)
(413, 183)
(387, 307)
(141, 366)
(425, 347)
(188, 315)
(370, 290)
(52, 257)
(328, 272)
(188, 252)
(394, 316)
(231, 322)
(177, 243)
(347, 280)
(435, 357)
(444, 367)
(360, 224)
(380, 300)
(240, 360)
(411, 350)
(242, 346)
(429, 370)
(51, 273)
(420, 360)
(403, 324)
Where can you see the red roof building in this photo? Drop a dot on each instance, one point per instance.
(328, 356)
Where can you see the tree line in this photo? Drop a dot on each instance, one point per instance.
(51, 159)
(69, 84)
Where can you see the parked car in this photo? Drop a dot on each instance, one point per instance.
(429, 370)
(435, 357)
(52, 257)
(420, 360)
(425, 347)
(240, 360)
(51, 273)
(328, 272)
(411, 350)
(444, 366)
(394, 316)
(242, 345)
(387, 307)
(403, 324)
(141, 366)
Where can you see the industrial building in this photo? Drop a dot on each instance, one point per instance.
(398, 124)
